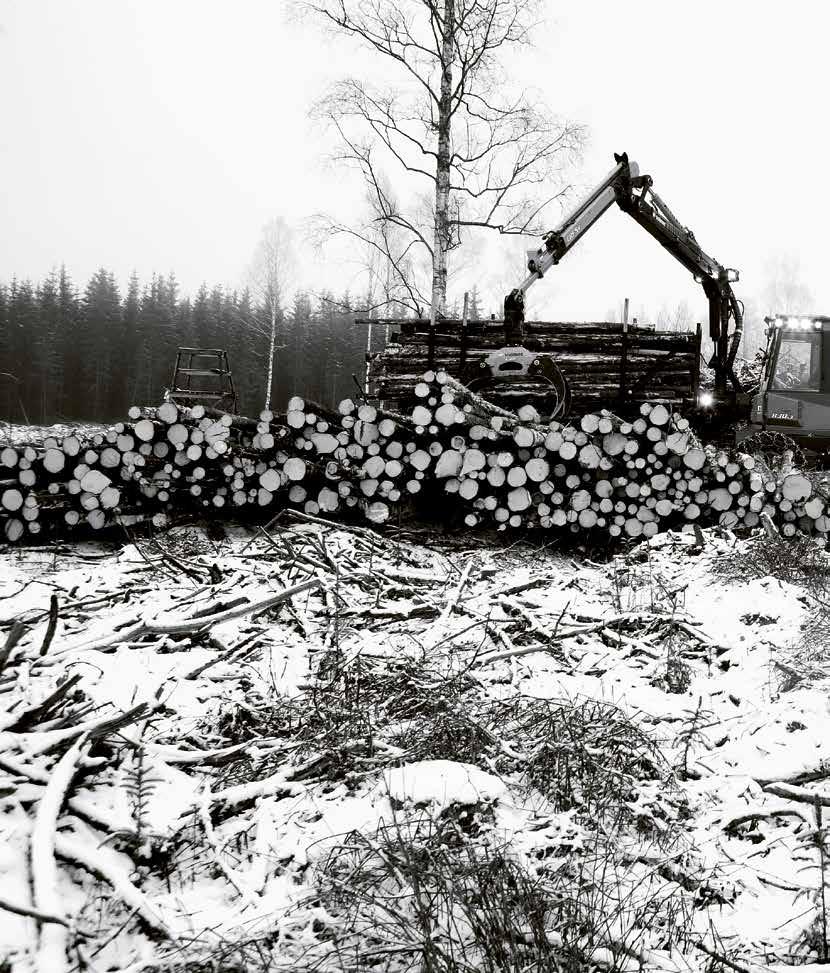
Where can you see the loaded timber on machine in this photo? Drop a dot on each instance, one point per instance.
(579, 367)
(605, 365)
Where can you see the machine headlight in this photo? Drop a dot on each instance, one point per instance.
(797, 323)
(706, 399)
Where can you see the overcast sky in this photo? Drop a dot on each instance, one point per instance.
(160, 135)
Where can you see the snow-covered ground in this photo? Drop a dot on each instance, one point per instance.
(632, 741)
(18, 434)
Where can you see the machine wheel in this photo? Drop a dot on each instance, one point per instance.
(769, 448)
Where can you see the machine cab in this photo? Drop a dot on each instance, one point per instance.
(794, 394)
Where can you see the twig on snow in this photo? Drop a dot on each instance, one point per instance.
(454, 598)
(31, 912)
(241, 649)
(210, 836)
(748, 967)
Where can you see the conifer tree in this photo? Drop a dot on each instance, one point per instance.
(47, 365)
(131, 343)
(6, 398)
(200, 317)
(65, 356)
(23, 326)
(71, 342)
(100, 332)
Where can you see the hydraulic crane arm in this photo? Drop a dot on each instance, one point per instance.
(634, 195)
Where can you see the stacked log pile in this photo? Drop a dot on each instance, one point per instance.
(454, 453)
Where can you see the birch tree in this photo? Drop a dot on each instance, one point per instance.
(268, 278)
(475, 153)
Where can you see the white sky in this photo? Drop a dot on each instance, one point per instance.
(161, 135)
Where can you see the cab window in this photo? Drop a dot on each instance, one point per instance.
(798, 364)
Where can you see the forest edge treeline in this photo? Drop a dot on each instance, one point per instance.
(71, 354)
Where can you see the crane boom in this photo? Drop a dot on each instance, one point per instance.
(650, 212)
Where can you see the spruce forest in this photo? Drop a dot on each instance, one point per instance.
(89, 354)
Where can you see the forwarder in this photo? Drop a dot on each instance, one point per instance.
(578, 367)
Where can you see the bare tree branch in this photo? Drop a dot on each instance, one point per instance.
(454, 130)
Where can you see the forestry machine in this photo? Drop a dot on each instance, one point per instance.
(792, 402)
(634, 195)
(577, 367)
(572, 367)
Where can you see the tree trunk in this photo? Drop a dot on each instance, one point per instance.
(271, 354)
(442, 167)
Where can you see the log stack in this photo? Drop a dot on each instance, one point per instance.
(605, 363)
(453, 454)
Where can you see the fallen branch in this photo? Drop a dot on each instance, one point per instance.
(454, 598)
(171, 755)
(31, 912)
(82, 806)
(45, 741)
(748, 967)
(780, 812)
(241, 648)
(198, 624)
(50, 628)
(32, 716)
(798, 794)
(94, 860)
(588, 629)
(210, 836)
(53, 941)
(803, 777)
(234, 797)
(14, 636)
(181, 566)
(492, 657)
(135, 631)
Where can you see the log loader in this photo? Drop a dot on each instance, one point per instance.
(634, 194)
(578, 367)
(581, 367)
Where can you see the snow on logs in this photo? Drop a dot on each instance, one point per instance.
(456, 452)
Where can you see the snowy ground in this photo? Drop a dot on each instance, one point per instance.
(633, 744)
(18, 434)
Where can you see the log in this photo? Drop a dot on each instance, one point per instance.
(495, 466)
